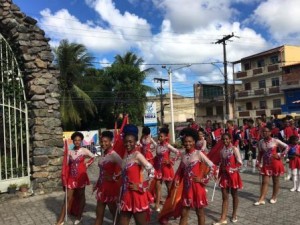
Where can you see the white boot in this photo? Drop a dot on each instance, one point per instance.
(245, 165)
(289, 175)
(253, 165)
(295, 183)
(298, 189)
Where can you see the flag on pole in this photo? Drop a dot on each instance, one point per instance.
(65, 166)
(118, 141)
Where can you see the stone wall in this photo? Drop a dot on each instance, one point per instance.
(34, 56)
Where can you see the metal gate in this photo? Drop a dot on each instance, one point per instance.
(14, 141)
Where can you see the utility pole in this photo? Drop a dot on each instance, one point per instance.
(160, 90)
(223, 41)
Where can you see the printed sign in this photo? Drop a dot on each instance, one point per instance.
(150, 116)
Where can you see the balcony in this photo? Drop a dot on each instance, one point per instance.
(262, 92)
(258, 112)
(258, 71)
(290, 84)
(244, 114)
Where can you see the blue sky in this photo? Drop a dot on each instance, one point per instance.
(170, 31)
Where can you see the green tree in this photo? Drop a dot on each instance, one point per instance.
(128, 93)
(73, 60)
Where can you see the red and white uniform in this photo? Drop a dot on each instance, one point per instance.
(294, 163)
(230, 163)
(108, 185)
(145, 143)
(194, 194)
(201, 145)
(78, 177)
(270, 165)
(164, 171)
(132, 168)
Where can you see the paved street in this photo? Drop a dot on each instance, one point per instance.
(44, 209)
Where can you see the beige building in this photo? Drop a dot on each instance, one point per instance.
(183, 108)
(261, 76)
(210, 103)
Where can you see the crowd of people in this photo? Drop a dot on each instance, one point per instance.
(210, 153)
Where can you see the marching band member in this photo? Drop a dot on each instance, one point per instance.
(294, 163)
(77, 178)
(145, 142)
(108, 185)
(135, 197)
(270, 164)
(163, 164)
(229, 178)
(201, 143)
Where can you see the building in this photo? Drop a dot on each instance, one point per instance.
(183, 108)
(261, 76)
(290, 86)
(210, 102)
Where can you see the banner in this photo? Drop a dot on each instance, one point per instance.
(150, 116)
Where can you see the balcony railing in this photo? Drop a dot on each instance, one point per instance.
(258, 112)
(290, 84)
(257, 71)
(258, 92)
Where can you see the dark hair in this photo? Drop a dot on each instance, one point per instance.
(201, 130)
(107, 134)
(189, 132)
(77, 134)
(131, 129)
(146, 130)
(251, 121)
(164, 130)
(293, 138)
(226, 134)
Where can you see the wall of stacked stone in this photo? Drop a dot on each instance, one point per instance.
(34, 56)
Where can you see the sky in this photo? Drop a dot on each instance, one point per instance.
(172, 32)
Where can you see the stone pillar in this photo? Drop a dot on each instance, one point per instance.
(33, 53)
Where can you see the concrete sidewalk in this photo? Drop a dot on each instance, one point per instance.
(43, 209)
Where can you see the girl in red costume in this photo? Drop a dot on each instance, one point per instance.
(270, 164)
(294, 163)
(78, 178)
(163, 164)
(145, 142)
(135, 198)
(229, 178)
(193, 194)
(108, 185)
(201, 142)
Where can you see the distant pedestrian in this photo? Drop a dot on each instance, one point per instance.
(294, 163)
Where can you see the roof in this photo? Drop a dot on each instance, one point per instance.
(268, 52)
(291, 65)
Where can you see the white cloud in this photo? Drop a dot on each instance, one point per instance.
(105, 62)
(280, 17)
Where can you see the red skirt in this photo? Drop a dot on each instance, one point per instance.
(166, 173)
(78, 182)
(276, 168)
(108, 192)
(195, 197)
(230, 180)
(149, 156)
(134, 201)
(295, 163)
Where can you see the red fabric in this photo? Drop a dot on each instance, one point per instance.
(217, 134)
(275, 132)
(294, 163)
(230, 179)
(78, 177)
(214, 154)
(108, 190)
(162, 170)
(288, 132)
(271, 166)
(134, 201)
(118, 141)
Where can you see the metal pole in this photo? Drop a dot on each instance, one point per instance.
(226, 82)
(171, 105)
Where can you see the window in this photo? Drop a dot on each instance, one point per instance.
(249, 105)
(247, 66)
(275, 81)
(277, 103)
(274, 59)
(262, 84)
(219, 110)
(262, 104)
(260, 63)
(247, 86)
(209, 111)
(211, 91)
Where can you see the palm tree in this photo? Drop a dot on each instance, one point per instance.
(73, 60)
(126, 81)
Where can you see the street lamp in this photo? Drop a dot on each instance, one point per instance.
(170, 71)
